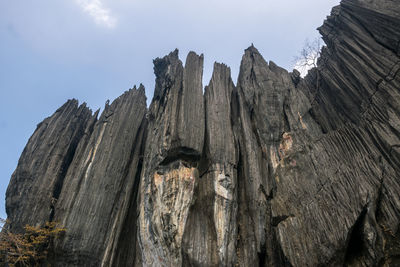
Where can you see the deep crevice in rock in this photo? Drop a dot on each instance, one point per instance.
(355, 244)
(184, 153)
(262, 256)
(63, 170)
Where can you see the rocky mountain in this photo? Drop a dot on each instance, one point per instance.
(276, 170)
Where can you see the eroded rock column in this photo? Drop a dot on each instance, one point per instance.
(222, 156)
(173, 148)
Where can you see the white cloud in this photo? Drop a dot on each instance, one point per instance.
(98, 12)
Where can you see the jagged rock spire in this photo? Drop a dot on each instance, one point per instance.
(276, 171)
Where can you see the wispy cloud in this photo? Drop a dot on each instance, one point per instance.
(98, 12)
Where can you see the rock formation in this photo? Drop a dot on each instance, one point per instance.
(276, 170)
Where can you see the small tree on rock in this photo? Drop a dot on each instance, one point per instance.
(308, 57)
(29, 248)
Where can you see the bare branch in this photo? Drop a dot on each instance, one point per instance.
(308, 56)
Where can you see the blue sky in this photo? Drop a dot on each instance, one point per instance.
(93, 50)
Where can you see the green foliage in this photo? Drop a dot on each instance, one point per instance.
(29, 248)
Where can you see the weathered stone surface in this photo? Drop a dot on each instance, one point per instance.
(39, 177)
(262, 89)
(333, 186)
(101, 183)
(275, 171)
(172, 152)
(221, 154)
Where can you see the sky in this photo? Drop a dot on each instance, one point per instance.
(94, 50)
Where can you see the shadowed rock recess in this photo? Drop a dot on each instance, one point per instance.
(274, 171)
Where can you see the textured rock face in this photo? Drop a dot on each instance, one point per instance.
(175, 142)
(274, 171)
(39, 177)
(98, 186)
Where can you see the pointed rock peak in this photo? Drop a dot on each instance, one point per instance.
(193, 57)
(70, 103)
(136, 88)
(251, 50)
(250, 59)
(85, 108)
(73, 104)
(161, 64)
(174, 54)
(194, 54)
(193, 76)
(141, 88)
(169, 72)
(132, 93)
(252, 56)
(83, 105)
(221, 68)
(221, 72)
(141, 92)
(96, 113)
(73, 100)
(221, 84)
